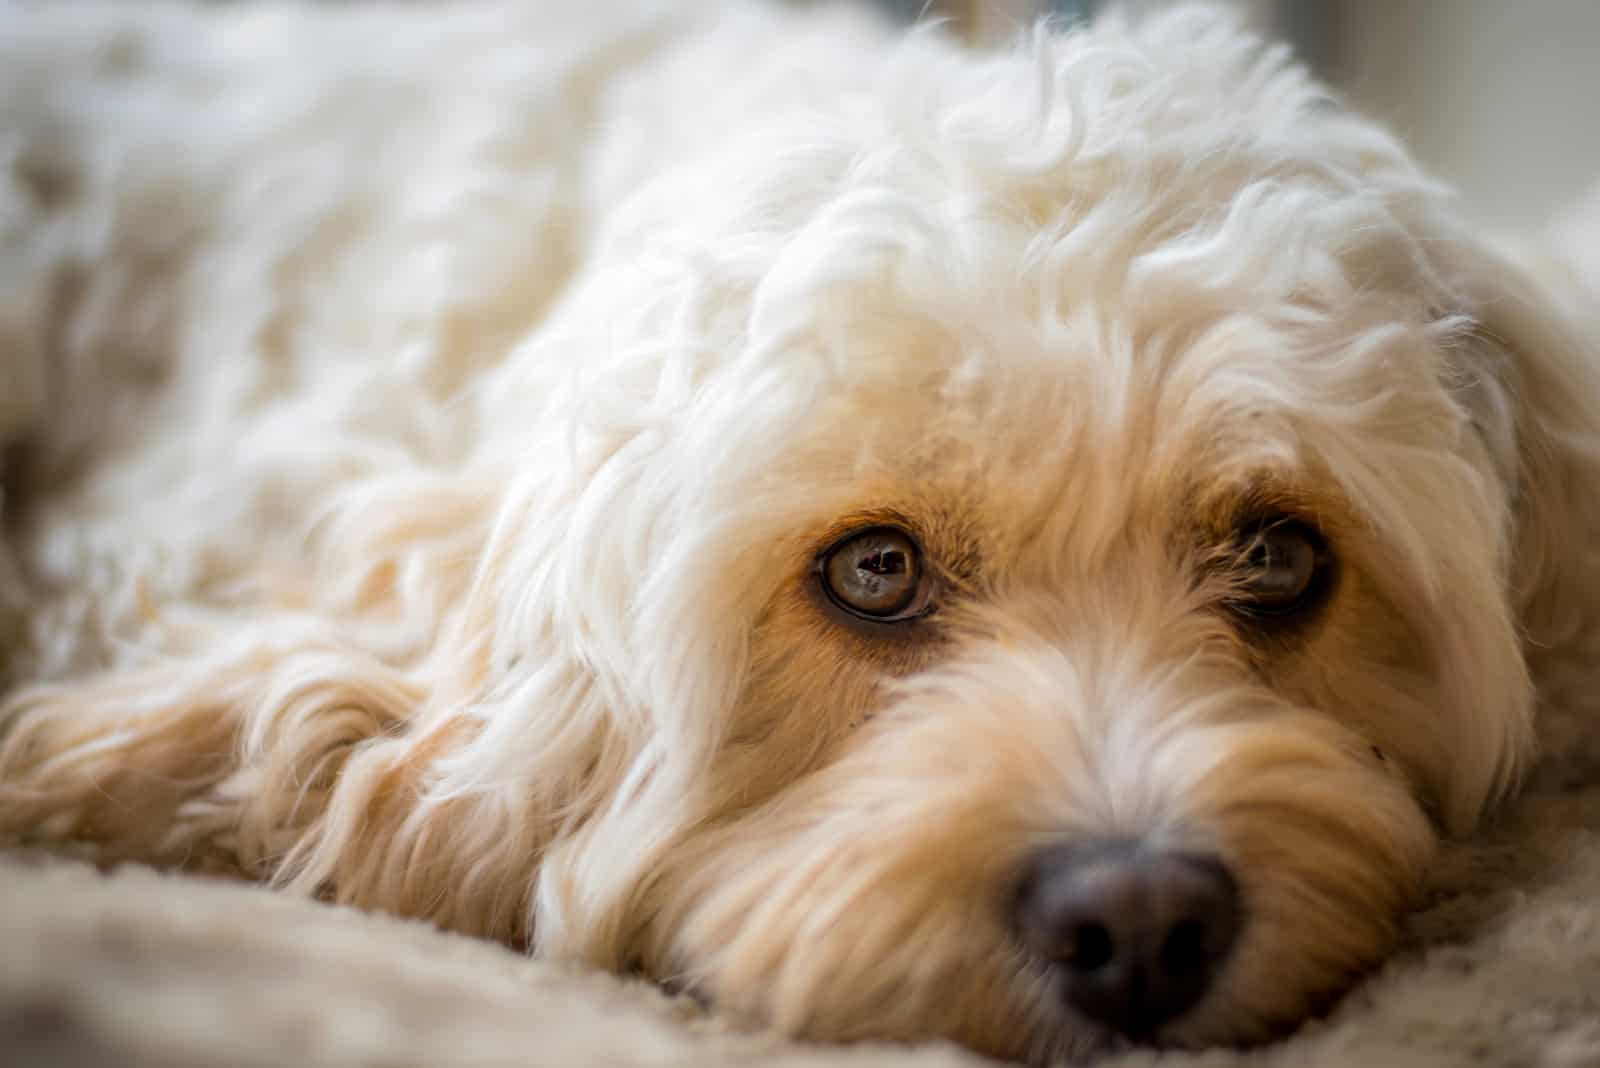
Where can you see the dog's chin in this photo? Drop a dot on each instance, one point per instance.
(870, 899)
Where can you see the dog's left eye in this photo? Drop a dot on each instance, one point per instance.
(1281, 566)
(876, 574)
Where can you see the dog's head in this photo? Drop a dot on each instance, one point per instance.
(1045, 542)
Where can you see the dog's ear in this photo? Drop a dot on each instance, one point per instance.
(1532, 384)
(1528, 378)
(1529, 375)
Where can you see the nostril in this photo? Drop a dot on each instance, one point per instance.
(1092, 947)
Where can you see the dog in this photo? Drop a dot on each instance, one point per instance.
(1034, 548)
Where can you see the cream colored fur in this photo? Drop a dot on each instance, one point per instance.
(427, 421)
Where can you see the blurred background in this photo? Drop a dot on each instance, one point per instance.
(1500, 97)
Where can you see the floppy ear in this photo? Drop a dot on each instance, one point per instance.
(1537, 402)
(1529, 380)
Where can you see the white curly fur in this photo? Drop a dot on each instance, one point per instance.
(425, 422)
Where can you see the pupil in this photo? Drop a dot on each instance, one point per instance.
(884, 562)
(1282, 565)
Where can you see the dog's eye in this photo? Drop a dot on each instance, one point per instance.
(876, 574)
(1281, 566)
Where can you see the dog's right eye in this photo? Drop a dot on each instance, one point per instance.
(876, 574)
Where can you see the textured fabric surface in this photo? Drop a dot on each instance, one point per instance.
(138, 968)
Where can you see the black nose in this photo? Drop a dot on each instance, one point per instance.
(1137, 934)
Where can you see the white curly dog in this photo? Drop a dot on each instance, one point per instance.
(1031, 548)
